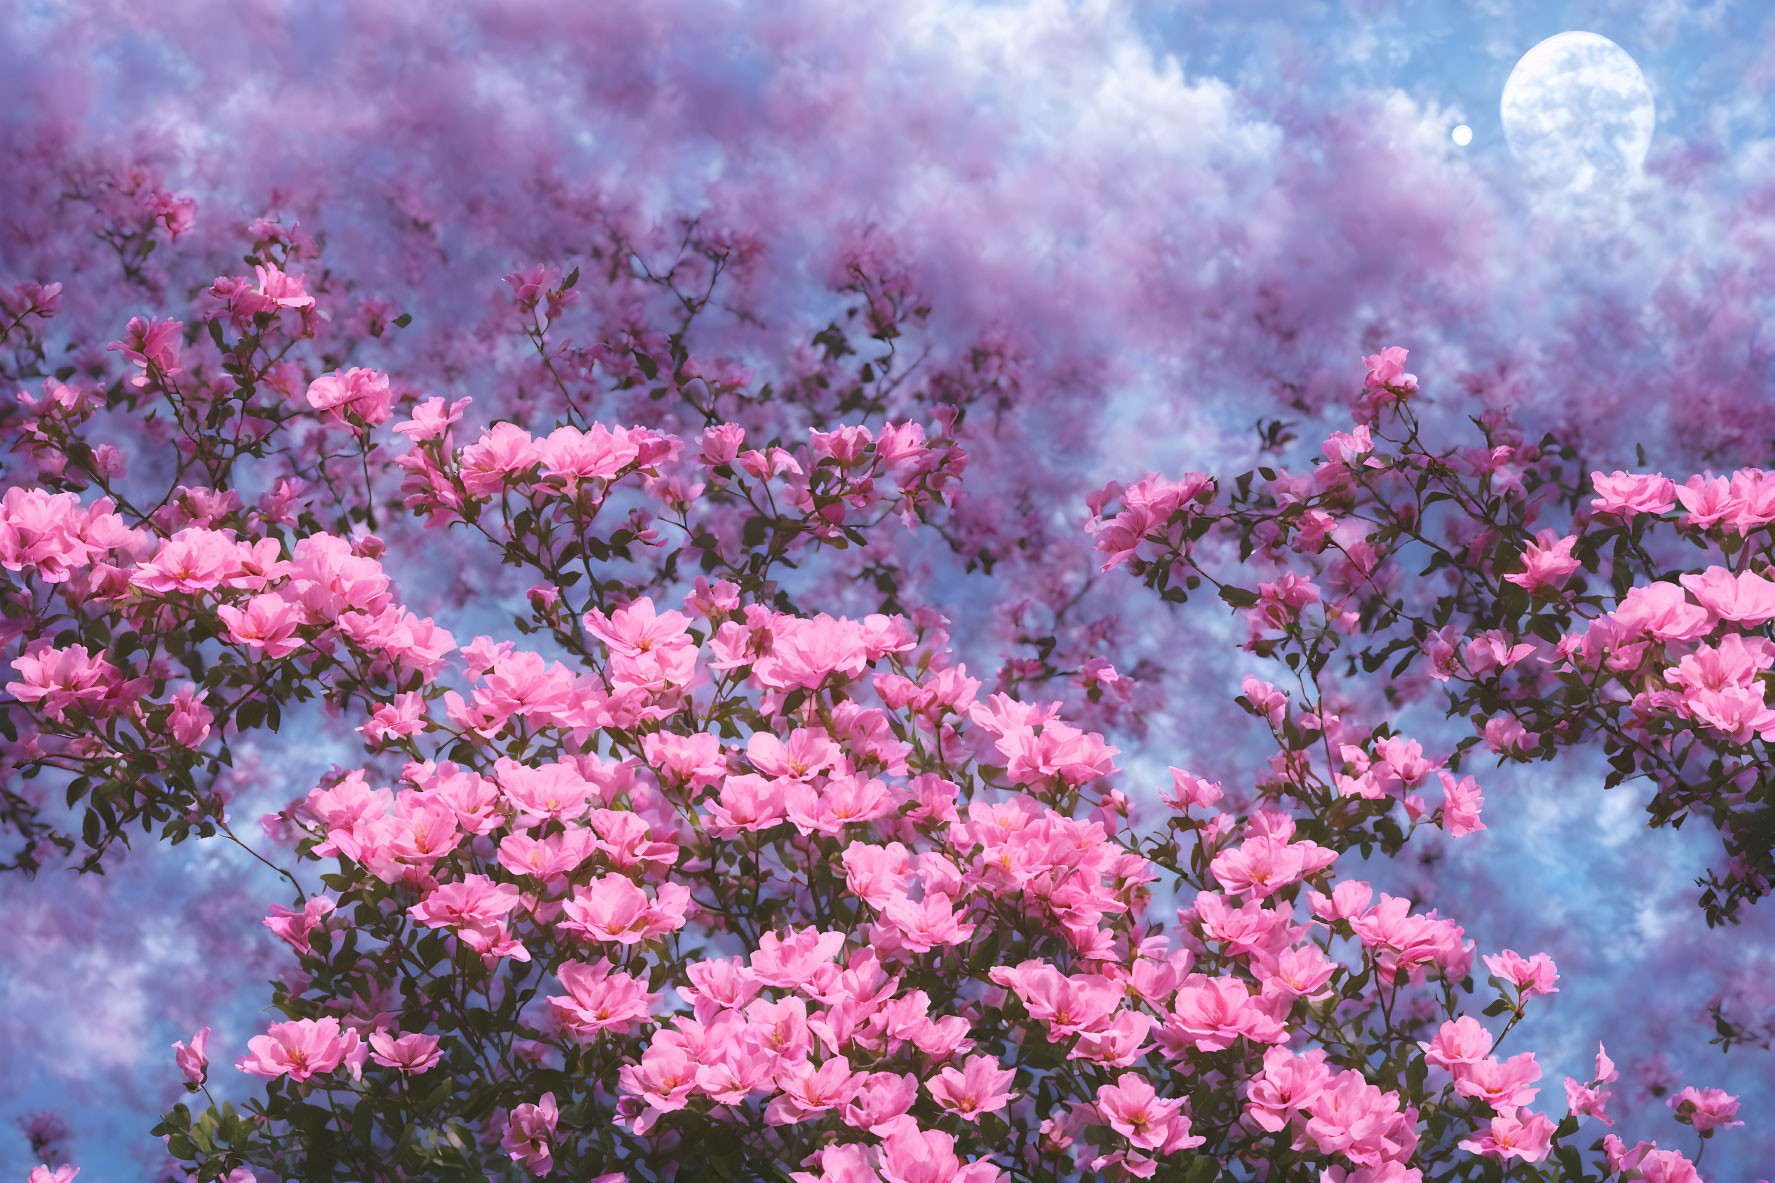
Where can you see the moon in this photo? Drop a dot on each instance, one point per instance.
(1578, 114)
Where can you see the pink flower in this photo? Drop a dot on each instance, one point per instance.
(412, 1054)
(1737, 712)
(531, 285)
(1133, 1110)
(555, 791)
(1547, 563)
(151, 345)
(404, 716)
(1348, 447)
(1249, 930)
(648, 650)
(1458, 1045)
(1287, 1085)
(473, 901)
(61, 678)
(912, 1155)
(1461, 803)
(1262, 866)
(53, 535)
(1516, 1134)
(927, 924)
(551, 859)
(846, 1162)
(1709, 502)
(882, 1099)
(188, 717)
(1060, 750)
(61, 1174)
(1732, 664)
(1188, 790)
(745, 802)
(1363, 1123)
(196, 560)
(570, 455)
(1705, 1109)
(721, 444)
(1211, 1013)
(294, 927)
(1753, 492)
(1387, 369)
(194, 1061)
(598, 1000)
(1745, 598)
(712, 601)
(1403, 941)
(303, 1048)
(780, 1028)
(807, 651)
(286, 291)
(1619, 1158)
(1301, 971)
(1667, 1166)
(612, 908)
(1531, 976)
(663, 1080)
(1504, 1086)
(1504, 735)
(696, 760)
(1387, 1172)
(267, 622)
(808, 1090)
(846, 444)
(1587, 1101)
(979, 1088)
(1067, 1004)
(1348, 900)
(735, 1072)
(1626, 495)
(503, 453)
(528, 1132)
(1265, 699)
(1662, 612)
(807, 753)
(1118, 1043)
(432, 419)
(365, 394)
(794, 961)
(627, 840)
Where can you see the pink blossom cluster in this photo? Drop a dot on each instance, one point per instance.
(725, 859)
(1606, 627)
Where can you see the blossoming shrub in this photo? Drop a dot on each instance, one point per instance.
(1554, 607)
(693, 877)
